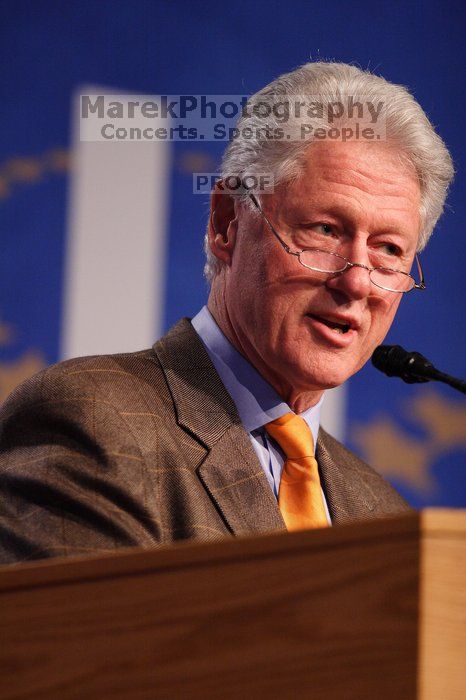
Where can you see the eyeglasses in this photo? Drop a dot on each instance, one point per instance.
(330, 263)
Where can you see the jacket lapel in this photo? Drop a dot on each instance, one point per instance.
(346, 486)
(237, 483)
(230, 472)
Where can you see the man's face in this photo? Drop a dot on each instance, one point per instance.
(354, 198)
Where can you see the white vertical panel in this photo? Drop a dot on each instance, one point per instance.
(115, 258)
(333, 414)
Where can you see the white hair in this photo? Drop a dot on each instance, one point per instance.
(407, 128)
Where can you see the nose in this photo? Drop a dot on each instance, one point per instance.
(355, 282)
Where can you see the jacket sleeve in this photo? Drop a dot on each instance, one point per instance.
(63, 491)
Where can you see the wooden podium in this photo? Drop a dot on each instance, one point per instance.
(372, 611)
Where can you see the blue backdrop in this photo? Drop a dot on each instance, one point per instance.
(414, 435)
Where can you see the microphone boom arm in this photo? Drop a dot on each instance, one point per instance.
(411, 367)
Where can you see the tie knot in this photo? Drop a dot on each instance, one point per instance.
(293, 435)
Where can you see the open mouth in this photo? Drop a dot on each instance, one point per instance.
(341, 328)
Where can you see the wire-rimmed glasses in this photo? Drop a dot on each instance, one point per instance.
(327, 262)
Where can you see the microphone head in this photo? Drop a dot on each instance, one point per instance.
(412, 367)
(395, 361)
(388, 359)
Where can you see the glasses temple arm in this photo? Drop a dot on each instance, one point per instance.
(422, 283)
(271, 226)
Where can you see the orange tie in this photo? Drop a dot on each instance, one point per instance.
(299, 496)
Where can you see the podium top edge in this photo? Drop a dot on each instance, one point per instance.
(134, 560)
(443, 521)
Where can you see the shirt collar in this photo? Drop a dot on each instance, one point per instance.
(256, 400)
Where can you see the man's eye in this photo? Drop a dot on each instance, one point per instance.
(312, 233)
(327, 229)
(391, 249)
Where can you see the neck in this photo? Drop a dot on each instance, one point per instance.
(298, 399)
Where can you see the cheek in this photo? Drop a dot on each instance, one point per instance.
(245, 297)
(383, 315)
(257, 280)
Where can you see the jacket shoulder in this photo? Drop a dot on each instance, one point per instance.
(112, 378)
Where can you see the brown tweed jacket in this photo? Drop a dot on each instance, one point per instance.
(145, 448)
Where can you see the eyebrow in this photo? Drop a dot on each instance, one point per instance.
(337, 211)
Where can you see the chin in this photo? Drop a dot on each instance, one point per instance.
(322, 379)
(321, 384)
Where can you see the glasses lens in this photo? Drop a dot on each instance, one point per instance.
(391, 280)
(320, 261)
(331, 263)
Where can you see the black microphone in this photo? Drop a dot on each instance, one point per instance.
(411, 367)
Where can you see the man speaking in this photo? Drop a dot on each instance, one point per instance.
(215, 430)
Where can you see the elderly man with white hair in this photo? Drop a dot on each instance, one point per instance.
(215, 430)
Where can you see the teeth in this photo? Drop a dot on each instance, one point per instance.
(341, 329)
(337, 327)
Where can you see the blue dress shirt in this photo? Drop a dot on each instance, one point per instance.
(256, 400)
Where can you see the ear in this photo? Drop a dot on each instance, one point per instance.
(223, 224)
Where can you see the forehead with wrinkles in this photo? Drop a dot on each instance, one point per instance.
(352, 180)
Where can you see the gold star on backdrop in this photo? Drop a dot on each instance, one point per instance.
(13, 373)
(396, 454)
(16, 371)
(195, 161)
(444, 420)
(30, 170)
(6, 334)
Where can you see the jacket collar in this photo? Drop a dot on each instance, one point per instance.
(230, 471)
